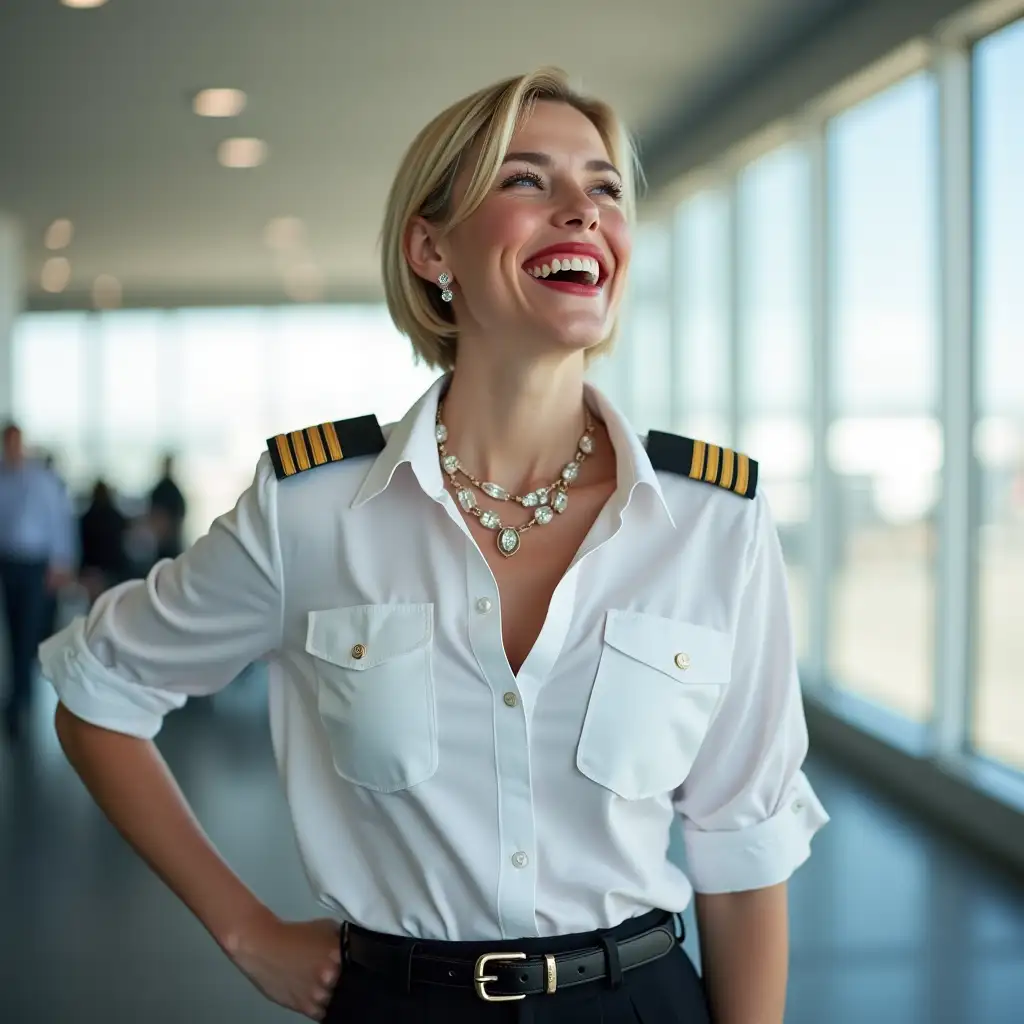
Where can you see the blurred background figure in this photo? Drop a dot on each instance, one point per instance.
(102, 531)
(36, 557)
(167, 510)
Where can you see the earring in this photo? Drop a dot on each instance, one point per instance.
(446, 293)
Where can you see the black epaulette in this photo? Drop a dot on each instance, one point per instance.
(326, 442)
(702, 461)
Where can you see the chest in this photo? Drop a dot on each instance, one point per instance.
(527, 580)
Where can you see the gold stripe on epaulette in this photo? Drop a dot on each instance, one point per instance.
(316, 445)
(728, 463)
(742, 475)
(333, 444)
(301, 452)
(711, 470)
(697, 463)
(285, 453)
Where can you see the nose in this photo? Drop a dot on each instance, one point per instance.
(579, 211)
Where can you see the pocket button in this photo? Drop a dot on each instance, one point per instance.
(359, 651)
(682, 661)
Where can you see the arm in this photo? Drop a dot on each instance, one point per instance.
(748, 811)
(744, 944)
(189, 628)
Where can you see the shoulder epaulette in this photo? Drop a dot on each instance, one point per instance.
(300, 450)
(702, 461)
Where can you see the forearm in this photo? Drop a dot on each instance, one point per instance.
(130, 781)
(744, 941)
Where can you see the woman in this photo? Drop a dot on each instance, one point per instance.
(102, 531)
(506, 647)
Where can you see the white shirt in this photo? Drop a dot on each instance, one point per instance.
(434, 793)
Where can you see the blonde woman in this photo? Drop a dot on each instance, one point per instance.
(509, 642)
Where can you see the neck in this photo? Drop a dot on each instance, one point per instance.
(515, 425)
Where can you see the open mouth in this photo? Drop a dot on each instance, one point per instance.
(568, 269)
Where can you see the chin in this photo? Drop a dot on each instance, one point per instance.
(576, 333)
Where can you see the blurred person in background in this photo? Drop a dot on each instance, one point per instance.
(50, 615)
(36, 559)
(167, 510)
(102, 532)
(508, 643)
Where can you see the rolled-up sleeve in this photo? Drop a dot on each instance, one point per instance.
(748, 812)
(188, 629)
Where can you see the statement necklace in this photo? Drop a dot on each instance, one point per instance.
(545, 501)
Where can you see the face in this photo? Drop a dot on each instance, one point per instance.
(543, 259)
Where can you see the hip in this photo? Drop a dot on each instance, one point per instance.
(640, 974)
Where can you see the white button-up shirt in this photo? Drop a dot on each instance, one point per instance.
(436, 794)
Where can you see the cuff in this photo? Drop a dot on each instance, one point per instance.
(760, 855)
(94, 693)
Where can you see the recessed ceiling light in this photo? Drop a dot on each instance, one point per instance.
(284, 233)
(242, 152)
(219, 102)
(59, 234)
(304, 282)
(83, 3)
(106, 292)
(56, 274)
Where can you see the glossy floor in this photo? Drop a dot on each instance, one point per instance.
(892, 922)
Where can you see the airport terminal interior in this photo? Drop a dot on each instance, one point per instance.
(825, 276)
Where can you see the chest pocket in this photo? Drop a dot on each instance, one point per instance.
(375, 692)
(658, 684)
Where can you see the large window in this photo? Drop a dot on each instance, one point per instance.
(885, 442)
(207, 385)
(998, 726)
(701, 292)
(647, 330)
(775, 350)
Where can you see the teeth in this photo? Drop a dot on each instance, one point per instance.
(577, 263)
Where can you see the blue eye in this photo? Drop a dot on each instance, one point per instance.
(520, 177)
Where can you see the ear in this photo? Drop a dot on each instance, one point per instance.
(423, 249)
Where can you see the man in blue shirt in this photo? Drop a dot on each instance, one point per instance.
(36, 554)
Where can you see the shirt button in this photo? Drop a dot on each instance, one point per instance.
(520, 860)
(682, 661)
(359, 651)
(798, 806)
(483, 606)
(511, 699)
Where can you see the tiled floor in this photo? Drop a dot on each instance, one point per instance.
(892, 923)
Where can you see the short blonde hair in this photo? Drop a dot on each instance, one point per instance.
(423, 187)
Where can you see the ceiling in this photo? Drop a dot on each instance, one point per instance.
(97, 124)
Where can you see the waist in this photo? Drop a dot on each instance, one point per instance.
(512, 969)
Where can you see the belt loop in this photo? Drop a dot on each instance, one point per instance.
(408, 968)
(344, 942)
(612, 962)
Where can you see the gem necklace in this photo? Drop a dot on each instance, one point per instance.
(545, 501)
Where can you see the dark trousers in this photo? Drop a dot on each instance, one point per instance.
(23, 587)
(668, 991)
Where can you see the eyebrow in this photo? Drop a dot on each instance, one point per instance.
(543, 160)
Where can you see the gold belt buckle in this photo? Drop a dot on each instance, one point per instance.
(480, 980)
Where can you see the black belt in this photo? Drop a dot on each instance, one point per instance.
(503, 977)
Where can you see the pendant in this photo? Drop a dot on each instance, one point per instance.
(508, 541)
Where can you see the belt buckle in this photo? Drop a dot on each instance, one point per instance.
(480, 980)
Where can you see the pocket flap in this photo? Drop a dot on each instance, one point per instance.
(681, 650)
(365, 635)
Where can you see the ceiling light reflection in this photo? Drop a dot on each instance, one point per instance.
(55, 275)
(59, 234)
(83, 3)
(242, 152)
(304, 282)
(284, 233)
(106, 292)
(219, 102)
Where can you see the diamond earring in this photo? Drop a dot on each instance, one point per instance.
(446, 293)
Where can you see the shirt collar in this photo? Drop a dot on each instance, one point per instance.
(412, 440)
